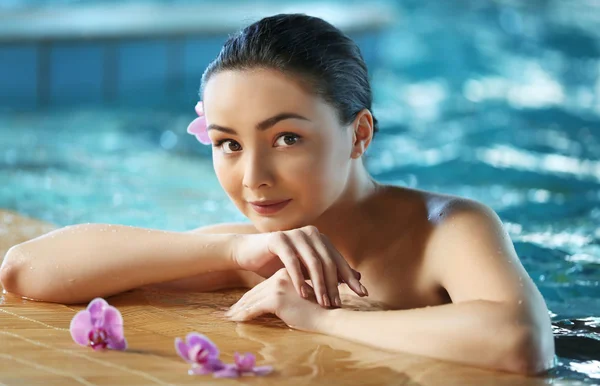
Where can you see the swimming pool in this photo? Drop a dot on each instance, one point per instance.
(496, 102)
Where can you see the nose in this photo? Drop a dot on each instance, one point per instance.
(257, 171)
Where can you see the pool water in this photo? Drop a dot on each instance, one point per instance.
(496, 102)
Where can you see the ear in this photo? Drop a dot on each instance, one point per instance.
(362, 133)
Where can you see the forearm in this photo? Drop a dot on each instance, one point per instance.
(77, 263)
(478, 333)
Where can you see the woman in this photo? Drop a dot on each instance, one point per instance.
(288, 108)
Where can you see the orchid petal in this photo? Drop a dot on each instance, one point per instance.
(96, 308)
(198, 128)
(182, 349)
(193, 353)
(113, 323)
(199, 109)
(194, 339)
(215, 364)
(199, 370)
(246, 362)
(80, 327)
(117, 344)
(262, 370)
(229, 371)
(203, 138)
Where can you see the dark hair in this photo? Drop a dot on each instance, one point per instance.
(323, 57)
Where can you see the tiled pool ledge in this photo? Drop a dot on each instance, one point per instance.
(140, 53)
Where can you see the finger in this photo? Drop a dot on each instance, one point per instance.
(313, 262)
(242, 302)
(346, 273)
(330, 268)
(252, 310)
(281, 246)
(248, 297)
(357, 275)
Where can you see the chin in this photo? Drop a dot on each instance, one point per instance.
(273, 224)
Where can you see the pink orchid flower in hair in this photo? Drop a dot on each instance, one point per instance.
(198, 126)
(99, 326)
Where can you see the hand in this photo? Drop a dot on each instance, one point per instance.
(276, 295)
(265, 253)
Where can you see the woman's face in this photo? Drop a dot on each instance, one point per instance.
(272, 140)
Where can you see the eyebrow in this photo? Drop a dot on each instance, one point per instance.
(261, 126)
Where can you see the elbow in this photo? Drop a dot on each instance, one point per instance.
(532, 351)
(9, 271)
(13, 280)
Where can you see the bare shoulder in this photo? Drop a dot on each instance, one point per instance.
(473, 255)
(464, 224)
(226, 228)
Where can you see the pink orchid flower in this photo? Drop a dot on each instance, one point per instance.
(203, 355)
(100, 326)
(245, 364)
(200, 352)
(197, 349)
(198, 126)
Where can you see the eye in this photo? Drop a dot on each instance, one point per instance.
(228, 146)
(289, 139)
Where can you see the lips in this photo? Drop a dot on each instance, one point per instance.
(267, 207)
(266, 202)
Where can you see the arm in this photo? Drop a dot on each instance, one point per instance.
(477, 333)
(498, 318)
(77, 263)
(213, 281)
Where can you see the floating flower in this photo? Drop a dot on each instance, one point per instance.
(100, 326)
(203, 355)
(198, 126)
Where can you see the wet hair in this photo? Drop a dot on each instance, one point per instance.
(309, 50)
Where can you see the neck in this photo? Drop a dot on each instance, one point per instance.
(347, 218)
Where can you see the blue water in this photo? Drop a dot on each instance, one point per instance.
(488, 100)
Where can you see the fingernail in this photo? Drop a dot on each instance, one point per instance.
(303, 291)
(364, 290)
(338, 301)
(326, 301)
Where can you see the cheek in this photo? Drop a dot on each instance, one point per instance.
(318, 174)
